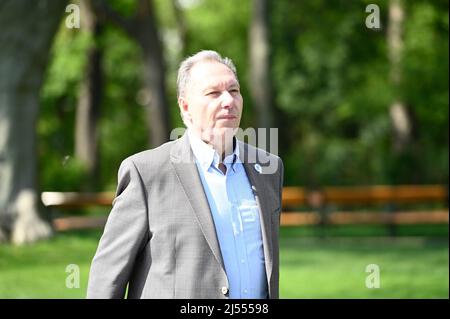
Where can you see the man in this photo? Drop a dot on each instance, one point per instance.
(197, 217)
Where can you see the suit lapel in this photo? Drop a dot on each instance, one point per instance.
(183, 162)
(257, 182)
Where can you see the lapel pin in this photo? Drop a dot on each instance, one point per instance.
(258, 168)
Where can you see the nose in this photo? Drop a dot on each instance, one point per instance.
(227, 100)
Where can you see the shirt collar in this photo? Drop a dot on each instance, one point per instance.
(206, 155)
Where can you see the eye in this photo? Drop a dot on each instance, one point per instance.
(213, 93)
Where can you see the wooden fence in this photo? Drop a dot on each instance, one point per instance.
(362, 205)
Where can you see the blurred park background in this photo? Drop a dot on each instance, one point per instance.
(357, 88)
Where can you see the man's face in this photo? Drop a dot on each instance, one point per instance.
(212, 102)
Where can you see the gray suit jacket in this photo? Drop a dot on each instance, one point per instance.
(160, 237)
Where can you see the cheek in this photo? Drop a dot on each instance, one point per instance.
(204, 114)
(240, 106)
(211, 110)
(210, 116)
(239, 101)
(196, 110)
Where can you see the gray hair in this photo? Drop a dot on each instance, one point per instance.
(188, 63)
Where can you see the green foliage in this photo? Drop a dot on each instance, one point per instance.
(426, 82)
(331, 84)
(331, 75)
(123, 127)
(59, 170)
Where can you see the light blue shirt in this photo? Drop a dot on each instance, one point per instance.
(236, 218)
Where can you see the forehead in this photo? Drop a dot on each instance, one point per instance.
(211, 73)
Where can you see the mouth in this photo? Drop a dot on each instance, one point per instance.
(227, 117)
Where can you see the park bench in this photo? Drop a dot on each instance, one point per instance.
(374, 205)
(301, 206)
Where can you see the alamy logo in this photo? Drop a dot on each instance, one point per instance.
(73, 279)
(373, 19)
(373, 279)
(73, 19)
(263, 138)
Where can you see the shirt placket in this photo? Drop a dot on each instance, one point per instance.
(239, 236)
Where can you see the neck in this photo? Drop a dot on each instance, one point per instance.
(220, 140)
(223, 147)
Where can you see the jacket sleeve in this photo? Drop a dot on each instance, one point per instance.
(281, 182)
(126, 233)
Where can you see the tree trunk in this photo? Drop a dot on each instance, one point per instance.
(88, 108)
(26, 35)
(154, 74)
(181, 26)
(260, 85)
(142, 28)
(399, 113)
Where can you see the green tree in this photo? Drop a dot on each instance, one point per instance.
(25, 38)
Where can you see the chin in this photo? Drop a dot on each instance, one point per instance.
(225, 130)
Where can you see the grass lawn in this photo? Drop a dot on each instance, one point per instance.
(39, 270)
(332, 267)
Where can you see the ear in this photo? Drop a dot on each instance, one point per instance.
(184, 108)
(182, 103)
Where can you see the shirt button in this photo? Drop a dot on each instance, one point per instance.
(224, 290)
(245, 291)
(243, 261)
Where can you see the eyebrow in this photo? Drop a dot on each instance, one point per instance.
(218, 85)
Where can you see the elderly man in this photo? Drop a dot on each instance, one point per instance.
(197, 217)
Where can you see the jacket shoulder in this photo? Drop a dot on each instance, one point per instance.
(250, 151)
(153, 157)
